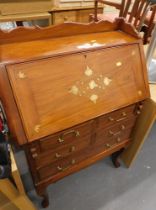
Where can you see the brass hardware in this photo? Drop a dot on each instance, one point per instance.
(118, 139)
(120, 119)
(34, 155)
(72, 149)
(114, 134)
(123, 127)
(110, 132)
(138, 112)
(140, 106)
(108, 145)
(33, 149)
(60, 139)
(66, 168)
(124, 114)
(57, 155)
(111, 119)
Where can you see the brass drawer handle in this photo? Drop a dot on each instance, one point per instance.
(66, 168)
(114, 134)
(124, 114)
(123, 127)
(111, 119)
(60, 139)
(72, 149)
(108, 145)
(120, 119)
(34, 155)
(118, 140)
(57, 155)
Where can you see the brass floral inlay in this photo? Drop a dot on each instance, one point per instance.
(89, 87)
(21, 75)
(88, 72)
(119, 64)
(107, 81)
(37, 128)
(92, 84)
(74, 90)
(94, 98)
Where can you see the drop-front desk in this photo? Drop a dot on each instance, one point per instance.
(72, 94)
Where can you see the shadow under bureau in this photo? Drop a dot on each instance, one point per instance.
(72, 94)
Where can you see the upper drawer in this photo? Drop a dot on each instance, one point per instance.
(56, 93)
(118, 116)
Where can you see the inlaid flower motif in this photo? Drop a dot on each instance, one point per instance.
(92, 84)
(21, 75)
(74, 90)
(88, 72)
(94, 98)
(89, 87)
(106, 81)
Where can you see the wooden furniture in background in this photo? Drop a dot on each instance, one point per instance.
(59, 89)
(150, 22)
(14, 7)
(26, 17)
(11, 197)
(74, 14)
(133, 11)
(138, 15)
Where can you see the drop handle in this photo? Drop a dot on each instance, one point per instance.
(61, 169)
(108, 145)
(114, 134)
(61, 137)
(57, 155)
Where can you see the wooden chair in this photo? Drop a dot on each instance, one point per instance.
(149, 24)
(13, 196)
(133, 11)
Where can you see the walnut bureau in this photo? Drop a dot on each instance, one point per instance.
(72, 94)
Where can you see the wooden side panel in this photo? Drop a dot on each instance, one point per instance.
(57, 93)
(10, 108)
(140, 133)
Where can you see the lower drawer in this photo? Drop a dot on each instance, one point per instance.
(51, 156)
(118, 132)
(60, 166)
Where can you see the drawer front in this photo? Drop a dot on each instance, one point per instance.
(69, 136)
(71, 89)
(61, 166)
(61, 17)
(51, 156)
(118, 116)
(118, 132)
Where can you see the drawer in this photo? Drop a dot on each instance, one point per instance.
(118, 116)
(66, 137)
(61, 17)
(115, 134)
(45, 158)
(61, 166)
